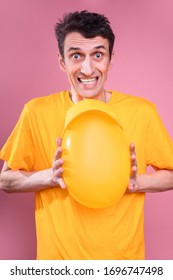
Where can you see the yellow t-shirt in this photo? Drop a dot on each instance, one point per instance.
(66, 229)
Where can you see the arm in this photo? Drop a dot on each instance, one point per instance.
(159, 181)
(22, 181)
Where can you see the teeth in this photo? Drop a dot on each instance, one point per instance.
(88, 81)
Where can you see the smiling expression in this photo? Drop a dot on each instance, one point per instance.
(86, 62)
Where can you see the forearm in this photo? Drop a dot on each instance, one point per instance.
(22, 181)
(159, 181)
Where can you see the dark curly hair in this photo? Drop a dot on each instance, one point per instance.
(87, 24)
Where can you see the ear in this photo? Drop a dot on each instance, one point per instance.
(61, 62)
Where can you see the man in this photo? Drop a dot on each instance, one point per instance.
(33, 162)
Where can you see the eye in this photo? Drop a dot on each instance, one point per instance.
(98, 55)
(76, 56)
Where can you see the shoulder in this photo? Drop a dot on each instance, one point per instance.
(132, 102)
(48, 101)
(55, 103)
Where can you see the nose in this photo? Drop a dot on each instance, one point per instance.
(87, 67)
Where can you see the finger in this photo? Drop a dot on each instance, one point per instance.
(133, 155)
(57, 164)
(131, 186)
(132, 152)
(133, 177)
(133, 161)
(57, 169)
(57, 178)
(59, 141)
(134, 171)
(133, 174)
(57, 174)
(134, 168)
(132, 147)
(62, 183)
(58, 153)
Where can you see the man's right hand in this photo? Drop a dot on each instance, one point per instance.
(12, 181)
(57, 169)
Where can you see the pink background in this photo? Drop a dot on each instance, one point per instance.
(28, 68)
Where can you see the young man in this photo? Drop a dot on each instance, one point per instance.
(32, 155)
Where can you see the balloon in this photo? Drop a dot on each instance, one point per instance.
(96, 154)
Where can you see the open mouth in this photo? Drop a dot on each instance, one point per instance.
(88, 81)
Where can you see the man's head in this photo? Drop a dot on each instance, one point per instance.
(88, 24)
(85, 43)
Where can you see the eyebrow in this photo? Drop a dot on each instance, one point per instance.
(78, 49)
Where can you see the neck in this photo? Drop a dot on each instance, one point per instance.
(75, 99)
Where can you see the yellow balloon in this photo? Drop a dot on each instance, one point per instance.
(96, 155)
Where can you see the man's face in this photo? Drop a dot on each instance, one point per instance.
(86, 62)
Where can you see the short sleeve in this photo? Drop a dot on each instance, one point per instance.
(18, 150)
(159, 145)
